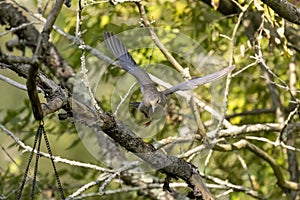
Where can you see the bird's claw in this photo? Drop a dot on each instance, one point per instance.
(147, 123)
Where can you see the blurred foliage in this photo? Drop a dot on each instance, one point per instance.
(203, 24)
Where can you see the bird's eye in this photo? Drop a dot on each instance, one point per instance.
(157, 101)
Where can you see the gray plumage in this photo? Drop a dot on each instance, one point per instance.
(195, 82)
(153, 100)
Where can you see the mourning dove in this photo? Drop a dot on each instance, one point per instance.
(153, 102)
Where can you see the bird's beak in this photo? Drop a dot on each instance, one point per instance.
(153, 108)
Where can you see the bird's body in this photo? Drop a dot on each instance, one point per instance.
(153, 100)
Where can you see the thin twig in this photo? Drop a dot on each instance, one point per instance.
(244, 165)
(250, 128)
(269, 76)
(55, 158)
(13, 83)
(243, 69)
(275, 144)
(13, 29)
(227, 184)
(123, 99)
(131, 189)
(285, 184)
(21, 170)
(162, 48)
(87, 186)
(117, 173)
(39, 135)
(231, 58)
(83, 69)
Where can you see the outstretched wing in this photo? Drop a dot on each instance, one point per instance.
(195, 82)
(119, 51)
(126, 61)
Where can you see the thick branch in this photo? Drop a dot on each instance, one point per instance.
(285, 10)
(170, 165)
(43, 43)
(228, 7)
(11, 16)
(32, 92)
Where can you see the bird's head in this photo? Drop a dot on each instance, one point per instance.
(154, 101)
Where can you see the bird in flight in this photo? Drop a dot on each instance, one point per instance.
(153, 101)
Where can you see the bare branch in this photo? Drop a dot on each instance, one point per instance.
(250, 128)
(14, 18)
(32, 92)
(276, 143)
(162, 48)
(102, 178)
(175, 167)
(33, 70)
(115, 2)
(227, 184)
(252, 112)
(12, 82)
(262, 154)
(270, 78)
(55, 158)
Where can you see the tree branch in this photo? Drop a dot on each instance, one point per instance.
(55, 158)
(10, 15)
(12, 82)
(285, 10)
(285, 184)
(228, 7)
(170, 165)
(162, 48)
(269, 76)
(227, 184)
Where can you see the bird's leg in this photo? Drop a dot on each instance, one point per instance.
(147, 123)
(135, 104)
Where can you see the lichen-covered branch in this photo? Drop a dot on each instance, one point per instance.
(285, 9)
(12, 17)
